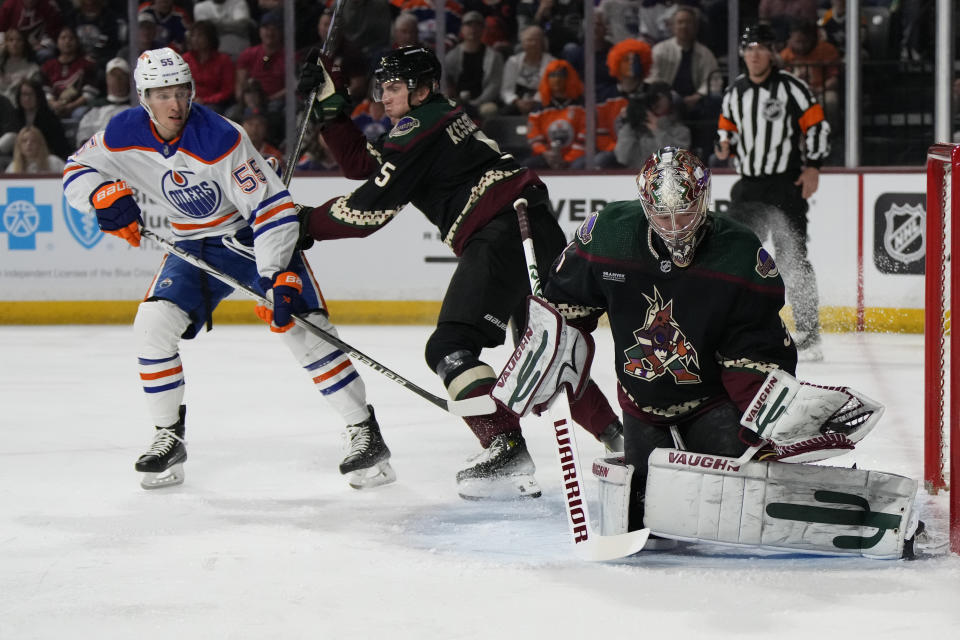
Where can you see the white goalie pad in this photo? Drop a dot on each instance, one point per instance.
(806, 422)
(551, 355)
(778, 506)
(613, 475)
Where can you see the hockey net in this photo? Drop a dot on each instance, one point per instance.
(941, 345)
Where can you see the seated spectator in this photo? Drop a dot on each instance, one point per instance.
(98, 28)
(8, 123)
(522, 73)
(265, 62)
(232, 20)
(557, 127)
(118, 99)
(70, 78)
(348, 57)
(38, 20)
(366, 23)
(654, 18)
(473, 70)
(371, 119)
(17, 62)
(257, 127)
(30, 154)
(500, 23)
(817, 63)
(606, 85)
(427, 20)
(212, 70)
(561, 20)
(629, 61)
(31, 108)
(621, 19)
(780, 14)
(172, 22)
(682, 62)
(650, 124)
(317, 156)
(406, 30)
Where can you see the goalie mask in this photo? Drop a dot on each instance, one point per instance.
(415, 66)
(674, 189)
(161, 68)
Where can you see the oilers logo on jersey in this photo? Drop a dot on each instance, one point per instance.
(192, 197)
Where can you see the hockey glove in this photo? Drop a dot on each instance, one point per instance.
(305, 240)
(117, 212)
(329, 108)
(320, 74)
(285, 293)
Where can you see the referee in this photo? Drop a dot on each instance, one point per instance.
(777, 129)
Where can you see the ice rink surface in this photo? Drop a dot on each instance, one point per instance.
(266, 540)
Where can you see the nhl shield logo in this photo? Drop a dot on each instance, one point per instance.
(903, 237)
(83, 226)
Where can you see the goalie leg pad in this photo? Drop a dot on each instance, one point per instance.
(613, 475)
(551, 355)
(778, 506)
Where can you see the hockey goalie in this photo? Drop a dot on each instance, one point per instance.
(718, 433)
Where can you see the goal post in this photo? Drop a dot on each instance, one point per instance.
(941, 345)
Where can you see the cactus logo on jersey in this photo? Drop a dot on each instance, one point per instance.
(192, 197)
(82, 225)
(21, 218)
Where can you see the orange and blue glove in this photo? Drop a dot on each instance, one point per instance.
(117, 212)
(285, 290)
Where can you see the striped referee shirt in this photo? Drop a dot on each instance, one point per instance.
(776, 127)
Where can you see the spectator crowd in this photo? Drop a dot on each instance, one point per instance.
(517, 66)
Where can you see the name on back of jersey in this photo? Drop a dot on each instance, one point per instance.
(461, 128)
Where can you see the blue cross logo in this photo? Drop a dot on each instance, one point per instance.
(21, 218)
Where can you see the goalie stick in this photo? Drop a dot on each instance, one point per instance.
(478, 406)
(588, 545)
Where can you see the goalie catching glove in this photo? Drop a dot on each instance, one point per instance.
(284, 293)
(805, 422)
(117, 212)
(550, 355)
(331, 99)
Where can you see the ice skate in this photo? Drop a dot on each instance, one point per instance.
(367, 461)
(809, 347)
(502, 471)
(612, 437)
(162, 464)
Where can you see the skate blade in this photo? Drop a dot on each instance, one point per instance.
(375, 476)
(513, 487)
(169, 478)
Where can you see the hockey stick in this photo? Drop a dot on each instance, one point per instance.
(587, 544)
(478, 406)
(294, 155)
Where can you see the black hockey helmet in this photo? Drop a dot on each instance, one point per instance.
(757, 34)
(414, 65)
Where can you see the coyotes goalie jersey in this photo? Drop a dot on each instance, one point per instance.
(210, 180)
(684, 339)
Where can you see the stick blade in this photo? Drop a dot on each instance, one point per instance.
(479, 406)
(605, 548)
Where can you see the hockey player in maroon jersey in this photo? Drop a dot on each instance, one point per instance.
(436, 158)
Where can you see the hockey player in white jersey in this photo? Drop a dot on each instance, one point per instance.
(227, 207)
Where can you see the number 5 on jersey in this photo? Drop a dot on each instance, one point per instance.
(384, 177)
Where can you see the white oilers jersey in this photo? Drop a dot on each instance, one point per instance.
(211, 179)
